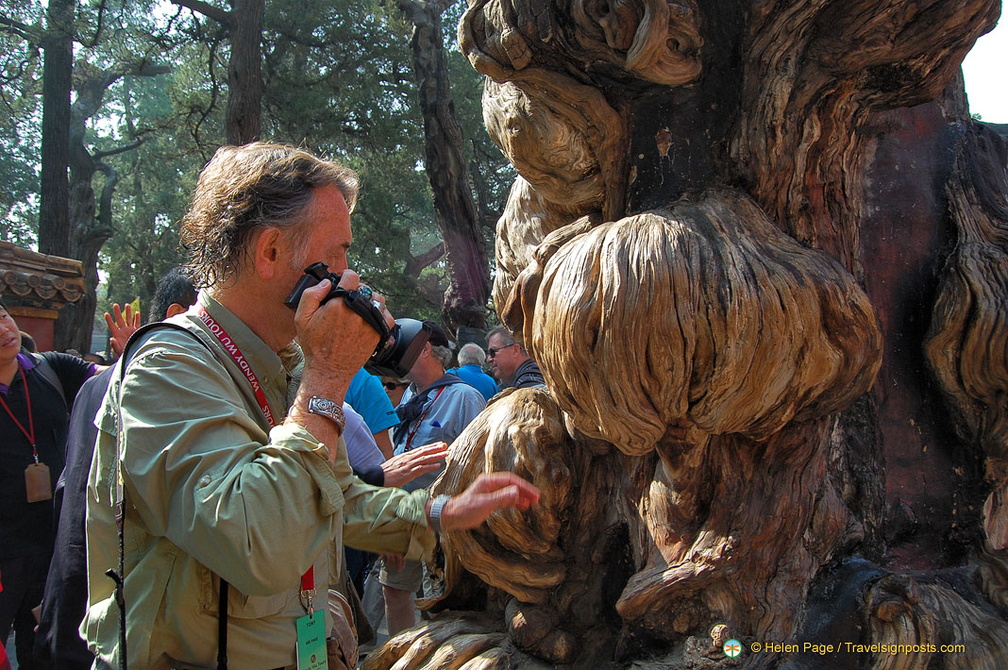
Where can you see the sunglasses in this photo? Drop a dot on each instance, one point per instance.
(391, 386)
(491, 352)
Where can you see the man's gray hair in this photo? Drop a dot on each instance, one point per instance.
(471, 354)
(443, 354)
(504, 334)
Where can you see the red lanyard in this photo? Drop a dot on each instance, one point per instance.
(308, 578)
(232, 348)
(30, 433)
(308, 589)
(409, 438)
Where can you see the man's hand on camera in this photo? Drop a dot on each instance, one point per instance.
(334, 338)
(490, 492)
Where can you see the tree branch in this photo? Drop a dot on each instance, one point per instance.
(416, 264)
(22, 30)
(99, 155)
(100, 22)
(208, 10)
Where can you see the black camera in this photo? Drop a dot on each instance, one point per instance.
(398, 347)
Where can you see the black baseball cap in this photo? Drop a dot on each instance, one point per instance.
(438, 336)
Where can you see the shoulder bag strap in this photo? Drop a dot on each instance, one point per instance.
(49, 375)
(120, 514)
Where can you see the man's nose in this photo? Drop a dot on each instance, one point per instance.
(339, 265)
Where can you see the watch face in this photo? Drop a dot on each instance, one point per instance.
(327, 408)
(323, 405)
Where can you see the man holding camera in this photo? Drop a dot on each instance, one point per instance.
(231, 495)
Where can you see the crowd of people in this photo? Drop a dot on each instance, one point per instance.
(220, 494)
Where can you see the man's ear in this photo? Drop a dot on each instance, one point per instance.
(268, 252)
(174, 309)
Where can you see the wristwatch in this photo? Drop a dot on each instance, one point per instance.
(435, 512)
(329, 409)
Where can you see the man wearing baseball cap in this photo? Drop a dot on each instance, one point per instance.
(436, 407)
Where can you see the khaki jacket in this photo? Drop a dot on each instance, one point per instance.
(212, 490)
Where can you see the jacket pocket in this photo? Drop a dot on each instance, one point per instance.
(239, 605)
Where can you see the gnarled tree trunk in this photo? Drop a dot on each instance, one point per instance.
(54, 232)
(455, 210)
(758, 250)
(91, 221)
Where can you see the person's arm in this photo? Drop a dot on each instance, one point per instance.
(384, 442)
(409, 465)
(72, 371)
(330, 362)
(326, 362)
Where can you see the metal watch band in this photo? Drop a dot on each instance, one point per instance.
(435, 512)
(329, 409)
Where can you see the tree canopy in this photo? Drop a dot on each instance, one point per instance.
(150, 99)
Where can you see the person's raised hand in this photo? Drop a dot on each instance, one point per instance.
(409, 465)
(490, 492)
(121, 324)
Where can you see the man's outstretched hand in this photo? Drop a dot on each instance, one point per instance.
(407, 466)
(490, 492)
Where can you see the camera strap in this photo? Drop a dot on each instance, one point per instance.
(239, 358)
(369, 310)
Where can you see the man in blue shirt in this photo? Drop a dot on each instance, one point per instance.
(470, 370)
(368, 398)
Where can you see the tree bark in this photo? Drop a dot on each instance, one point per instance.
(457, 217)
(243, 118)
(244, 110)
(730, 218)
(57, 72)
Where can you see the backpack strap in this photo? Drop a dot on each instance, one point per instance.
(142, 332)
(120, 512)
(48, 374)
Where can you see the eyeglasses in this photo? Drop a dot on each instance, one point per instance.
(391, 386)
(491, 352)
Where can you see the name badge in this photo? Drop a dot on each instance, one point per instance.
(37, 482)
(311, 642)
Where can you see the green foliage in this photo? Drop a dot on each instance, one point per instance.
(20, 122)
(339, 81)
(151, 198)
(349, 93)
